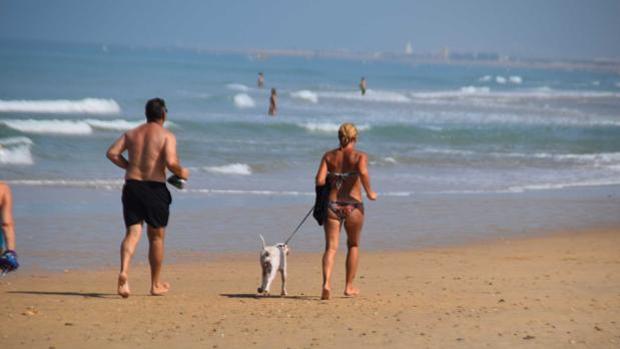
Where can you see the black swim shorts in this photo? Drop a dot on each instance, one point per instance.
(146, 201)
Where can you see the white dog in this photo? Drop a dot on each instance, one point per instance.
(272, 260)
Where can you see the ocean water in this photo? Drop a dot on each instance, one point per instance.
(446, 133)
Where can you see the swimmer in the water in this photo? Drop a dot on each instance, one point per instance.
(260, 82)
(273, 102)
(363, 85)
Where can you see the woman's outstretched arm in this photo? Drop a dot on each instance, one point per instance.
(365, 177)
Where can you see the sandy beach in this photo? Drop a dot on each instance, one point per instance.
(556, 291)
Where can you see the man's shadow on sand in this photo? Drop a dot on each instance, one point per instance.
(271, 296)
(74, 294)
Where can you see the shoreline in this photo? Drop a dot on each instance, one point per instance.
(78, 227)
(192, 257)
(550, 291)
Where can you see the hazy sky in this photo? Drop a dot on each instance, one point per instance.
(538, 28)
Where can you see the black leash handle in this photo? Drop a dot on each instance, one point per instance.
(299, 226)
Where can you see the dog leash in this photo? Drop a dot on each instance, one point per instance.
(299, 226)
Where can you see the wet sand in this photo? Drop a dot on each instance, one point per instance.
(557, 291)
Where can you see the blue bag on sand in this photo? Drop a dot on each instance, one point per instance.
(8, 261)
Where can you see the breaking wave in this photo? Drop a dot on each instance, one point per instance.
(538, 93)
(306, 95)
(515, 79)
(370, 96)
(15, 151)
(62, 106)
(238, 87)
(68, 127)
(328, 127)
(243, 101)
(90, 183)
(235, 169)
(472, 90)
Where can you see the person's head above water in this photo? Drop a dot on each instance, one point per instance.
(273, 91)
(347, 134)
(155, 110)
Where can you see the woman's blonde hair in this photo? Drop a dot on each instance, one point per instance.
(347, 133)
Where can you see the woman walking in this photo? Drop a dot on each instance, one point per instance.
(345, 169)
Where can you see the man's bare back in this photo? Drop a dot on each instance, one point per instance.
(150, 149)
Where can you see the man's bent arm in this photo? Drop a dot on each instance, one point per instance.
(172, 160)
(115, 153)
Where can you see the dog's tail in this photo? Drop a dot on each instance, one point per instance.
(263, 240)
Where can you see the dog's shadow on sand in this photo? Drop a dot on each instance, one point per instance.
(68, 293)
(257, 296)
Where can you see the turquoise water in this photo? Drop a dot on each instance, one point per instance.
(436, 128)
(431, 130)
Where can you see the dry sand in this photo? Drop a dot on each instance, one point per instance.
(557, 291)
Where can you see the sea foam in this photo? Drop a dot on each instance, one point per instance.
(515, 79)
(243, 101)
(328, 127)
(15, 151)
(113, 125)
(475, 90)
(306, 95)
(500, 79)
(77, 183)
(370, 96)
(62, 106)
(238, 87)
(234, 169)
(536, 93)
(67, 127)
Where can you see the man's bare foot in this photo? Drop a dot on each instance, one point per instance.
(351, 291)
(123, 285)
(325, 294)
(160, 289)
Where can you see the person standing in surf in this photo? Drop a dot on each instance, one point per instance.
(8, 258)
(363, 86)
(345, 170)
(150, 149)
(260, 82)
(273, 103)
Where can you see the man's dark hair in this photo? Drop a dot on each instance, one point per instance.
(155, 109)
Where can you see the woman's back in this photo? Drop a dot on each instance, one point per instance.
(343, 173)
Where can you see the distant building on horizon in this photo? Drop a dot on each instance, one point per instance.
(408, 48)
(444, 54)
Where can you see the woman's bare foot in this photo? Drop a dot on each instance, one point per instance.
(351, 291)
(160, 289)
(325, 294)
(123, 285)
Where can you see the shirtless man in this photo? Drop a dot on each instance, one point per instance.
(151, 149)
(8, 258)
